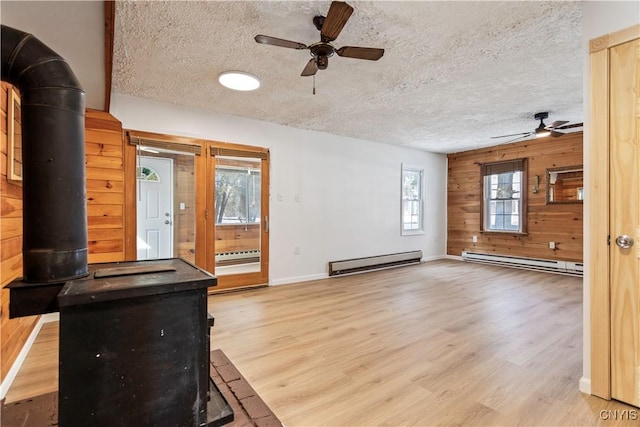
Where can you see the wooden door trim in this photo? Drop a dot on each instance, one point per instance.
(130, 203)
(265, 220)
(608, 41)
(598, 202)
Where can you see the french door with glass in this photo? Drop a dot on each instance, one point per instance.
(238, 215)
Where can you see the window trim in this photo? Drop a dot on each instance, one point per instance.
(491, 168)
(419, 231)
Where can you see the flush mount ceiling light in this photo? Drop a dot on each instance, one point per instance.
(239, 80)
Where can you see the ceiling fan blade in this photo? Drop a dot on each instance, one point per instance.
(338, 15)
(557, 124)
(370, 53)
(522, 135)
(310, 69)
(575, 125)
(273, 41)
(556, 134)
(515, 139)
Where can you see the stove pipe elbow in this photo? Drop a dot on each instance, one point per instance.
(54, 189)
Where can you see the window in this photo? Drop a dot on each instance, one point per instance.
(412, 199)
(504, 198)
(147, 174)
(237, 193)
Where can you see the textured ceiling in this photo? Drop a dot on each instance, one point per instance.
(453, 73)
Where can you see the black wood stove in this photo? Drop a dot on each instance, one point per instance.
(134, 346)
(134, 336)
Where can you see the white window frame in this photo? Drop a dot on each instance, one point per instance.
(418, 225)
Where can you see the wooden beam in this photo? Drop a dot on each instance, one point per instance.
(109, 25)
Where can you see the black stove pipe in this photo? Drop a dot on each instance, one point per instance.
(54, 189)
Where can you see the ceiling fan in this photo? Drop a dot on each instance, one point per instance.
(543, 130)
(329, 27)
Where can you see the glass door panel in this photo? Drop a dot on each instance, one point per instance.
(166, 190)
(237, 215)
(239, 201)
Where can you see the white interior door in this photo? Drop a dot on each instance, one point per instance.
(155, 208)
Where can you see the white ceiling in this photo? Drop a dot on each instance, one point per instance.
(453, 73)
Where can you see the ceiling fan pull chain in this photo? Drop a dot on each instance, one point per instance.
(314, 84)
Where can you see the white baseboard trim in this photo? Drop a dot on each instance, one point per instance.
(15, 368)
(453, 257)
(433, 258)
(50, 317)
(585, 385)
(298, 279)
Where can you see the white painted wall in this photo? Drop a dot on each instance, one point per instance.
(599, 18)
(73, 29)
(333, 197)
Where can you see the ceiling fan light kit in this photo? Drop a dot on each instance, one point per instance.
(239, 80)
(329, 27)
(542, 130)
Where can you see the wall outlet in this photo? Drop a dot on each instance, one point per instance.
(296, 250)
(182, 206)
(552, 245)
(474, 239)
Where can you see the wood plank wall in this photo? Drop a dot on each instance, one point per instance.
(559, 223)
(105, 207)
(13, 332)
(237, 238)
(105, 187)
(185, 219)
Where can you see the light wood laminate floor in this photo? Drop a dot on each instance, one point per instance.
(441, 343)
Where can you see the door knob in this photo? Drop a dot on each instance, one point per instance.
(167, 222)
(624, 241)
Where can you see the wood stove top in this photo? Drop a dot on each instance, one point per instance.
(119, 280)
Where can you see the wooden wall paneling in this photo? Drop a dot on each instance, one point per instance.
(598, 199)
(13, 332)
(560, 223)
(105, 175)
(184, 219)
(105, 187)
(234, 237)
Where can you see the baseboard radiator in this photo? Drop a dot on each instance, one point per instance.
(357, 265)
(236, 256)
(564, 267)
